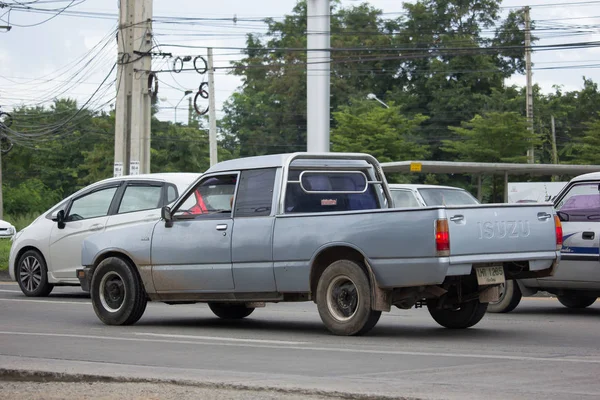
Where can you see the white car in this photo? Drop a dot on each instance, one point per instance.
(414, 195)
(47, 253)
(6, 229)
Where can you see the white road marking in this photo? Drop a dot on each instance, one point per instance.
(224, 339)
(49, 301)
(552, 359)
(10, 291)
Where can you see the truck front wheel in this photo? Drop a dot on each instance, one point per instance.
(117, 293)
(230, 311)
(344, 299)
(460, 316)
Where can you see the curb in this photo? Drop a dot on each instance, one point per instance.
(17, 375)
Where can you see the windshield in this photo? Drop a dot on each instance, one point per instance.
(447, 197)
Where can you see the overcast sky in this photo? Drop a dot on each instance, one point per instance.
(40, 62)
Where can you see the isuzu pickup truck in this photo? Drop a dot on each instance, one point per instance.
(318, 227)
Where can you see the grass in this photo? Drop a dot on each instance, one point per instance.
(19, 222)
(4, 250)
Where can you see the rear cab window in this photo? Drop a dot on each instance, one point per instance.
(404, 198)
(326, 191)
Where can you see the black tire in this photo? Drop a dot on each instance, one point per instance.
(461, 317)
(230, 310)
(117, 293)
(573, 300)
(344, 299)
(32, 274)
(510, 297)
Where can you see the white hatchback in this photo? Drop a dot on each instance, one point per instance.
(47, 253)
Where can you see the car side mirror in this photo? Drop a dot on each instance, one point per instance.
(165, 213)
(59, 217)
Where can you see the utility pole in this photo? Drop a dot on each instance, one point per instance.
(140, 94)
(132, 125)
(124, 79)
(212, 113)
(554, 151)
(318, 26)
(529, 90)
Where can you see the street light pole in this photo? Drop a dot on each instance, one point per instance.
(187, 92)
(371, 96)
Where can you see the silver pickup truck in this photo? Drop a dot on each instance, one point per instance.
(322, 228)
(577, 282)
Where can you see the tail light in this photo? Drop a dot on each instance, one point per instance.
(442, 238)
(559, 232)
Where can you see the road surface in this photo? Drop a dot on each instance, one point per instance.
(539, 351)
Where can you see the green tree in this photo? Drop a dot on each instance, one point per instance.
(382, 132)
(493, 137)
(586, 150)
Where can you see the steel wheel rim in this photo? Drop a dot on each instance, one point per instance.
(30, 273)
(112, 292)
(342, 298)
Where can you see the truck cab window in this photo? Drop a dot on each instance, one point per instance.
(255, 193)
(212, 196)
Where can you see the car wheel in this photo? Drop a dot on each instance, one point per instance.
(230, 310)
(460, 316)
(32, 275)
(573, 300)
(117, 293)
(344, 299)
(510, 297)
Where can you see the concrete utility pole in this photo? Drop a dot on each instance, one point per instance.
(554, 150)
(529, 90)
(212, 113)
(318, 75)
(132, 125)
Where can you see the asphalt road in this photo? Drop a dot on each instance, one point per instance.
(539, 351)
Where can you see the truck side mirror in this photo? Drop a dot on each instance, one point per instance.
(563, 216)
(165, 213)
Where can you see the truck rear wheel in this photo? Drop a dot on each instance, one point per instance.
(344, 299)
(117, 293)
(461, 316)
(230, 310)
(510, 297)
(573, 300)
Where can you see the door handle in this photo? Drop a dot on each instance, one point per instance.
(588, 235)
(542, 216)
(457, 218)
(221, 227)
(96, 227)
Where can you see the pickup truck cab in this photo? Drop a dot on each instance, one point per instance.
(576, 282)
(316, 227)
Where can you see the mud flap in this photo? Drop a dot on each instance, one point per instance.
(381, 300)
(489, 294)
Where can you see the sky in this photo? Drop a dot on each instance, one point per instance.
(70, 55)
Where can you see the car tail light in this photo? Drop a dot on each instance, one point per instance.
(442, 238)
(559, 232)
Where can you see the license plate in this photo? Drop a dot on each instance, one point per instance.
(490, 275)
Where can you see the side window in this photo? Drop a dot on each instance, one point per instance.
(329, 191)
(92, 205)
(171, 193)
(255, 193)
(140, 197)
(581, 203)
(404, 198)
(212, 196)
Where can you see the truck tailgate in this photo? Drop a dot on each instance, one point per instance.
(501, 228)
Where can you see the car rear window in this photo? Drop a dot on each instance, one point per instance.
(447, 197)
